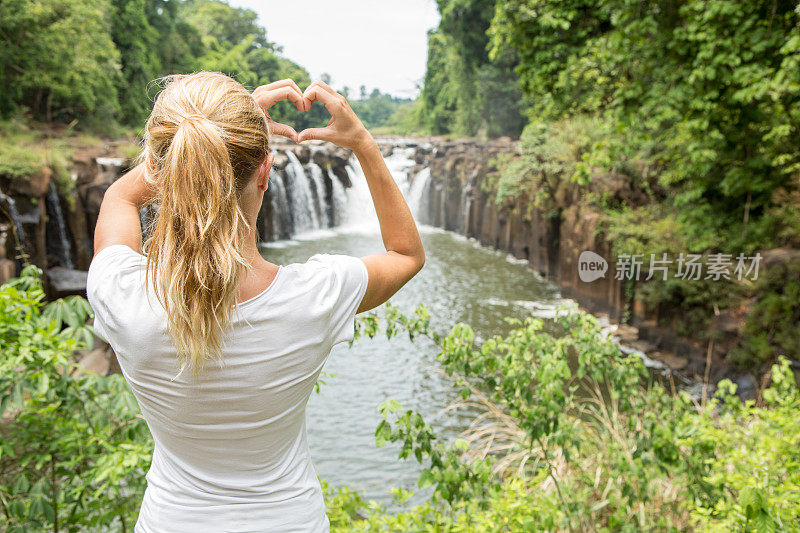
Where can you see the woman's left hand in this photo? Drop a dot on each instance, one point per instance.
(268, 95)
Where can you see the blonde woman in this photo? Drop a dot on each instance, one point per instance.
(221, 347)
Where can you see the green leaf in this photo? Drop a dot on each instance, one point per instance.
(425, 479)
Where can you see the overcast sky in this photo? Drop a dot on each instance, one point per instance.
(377, 43)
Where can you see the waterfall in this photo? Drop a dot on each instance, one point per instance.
(301, 199)
(282, 227)
(64, 247)
(338, 198)
(399, 164)
(466, 205)
(359, 213)
(305, 198)
(16, 220)
(319, 193)
(419, 189)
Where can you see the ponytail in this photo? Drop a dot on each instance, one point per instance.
(201, 162)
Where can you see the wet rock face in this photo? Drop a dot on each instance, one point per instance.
(35, 186)
(64, 282)
(552, 239)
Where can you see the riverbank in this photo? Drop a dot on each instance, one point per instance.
(455, 184)
(550, 221)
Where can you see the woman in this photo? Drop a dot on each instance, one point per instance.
(230, 438)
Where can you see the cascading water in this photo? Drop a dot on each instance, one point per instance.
(338, 198)
(301, 199)
(359, 213)
(16, 219)
(282, 225)
(305, 199)
(63, 245)
(419, 191)
(319, 193)
(399, 164)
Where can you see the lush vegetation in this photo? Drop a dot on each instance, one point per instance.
(73, 447)
(94, 61)
(466, 91)
(572, 435)
(678, 122)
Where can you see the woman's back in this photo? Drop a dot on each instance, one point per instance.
(230, 443)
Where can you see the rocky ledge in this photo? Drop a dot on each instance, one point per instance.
(461, 198)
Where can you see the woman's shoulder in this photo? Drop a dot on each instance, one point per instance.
(331, 275)
(329, 265)
(115, 268)
(330, 287)
(117, 253)
(115, 288)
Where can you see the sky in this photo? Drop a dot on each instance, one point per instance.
(377, 43)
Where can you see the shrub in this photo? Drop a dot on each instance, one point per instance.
(73, 450)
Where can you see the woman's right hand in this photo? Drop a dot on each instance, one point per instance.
(344, 129)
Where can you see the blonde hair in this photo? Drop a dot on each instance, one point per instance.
(204, 140)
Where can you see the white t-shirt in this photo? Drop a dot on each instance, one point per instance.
(230, 447)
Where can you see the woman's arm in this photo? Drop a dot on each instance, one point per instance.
(118, 222)
(404, 256)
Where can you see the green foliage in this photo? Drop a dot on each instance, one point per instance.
(95, 62)
(73, 450)
(686, 305)
(465, 92)
(137, 42)
(224, 23)
(405, 120)
(713, 84)
(673, 120)
(771, 325)
(18, 162)
(58, 58)
(752, 458)
(571, 435)
(547, 161)
(25, 151)
(375, 109)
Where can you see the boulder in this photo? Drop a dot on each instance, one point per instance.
(673, 361)
(34, 186)
(98, 361)
(65, 281)
(7, 270)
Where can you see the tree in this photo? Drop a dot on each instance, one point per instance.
(467, 91)
(137, 42)
(58, 58)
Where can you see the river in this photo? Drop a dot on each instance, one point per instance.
(461, 282)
